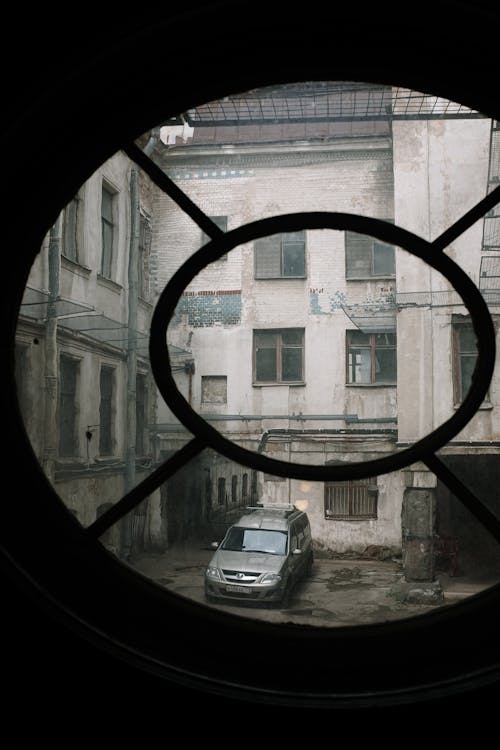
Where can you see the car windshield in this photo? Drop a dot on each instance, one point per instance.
(240, 539)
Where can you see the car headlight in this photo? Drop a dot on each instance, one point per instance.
(270, 578)
(212, 572)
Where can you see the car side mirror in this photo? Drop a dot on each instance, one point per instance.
(297, 551)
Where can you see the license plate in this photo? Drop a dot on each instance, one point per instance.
(238, 589)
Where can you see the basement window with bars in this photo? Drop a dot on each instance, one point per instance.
(367, 257)
(353, 500)
(281, 256)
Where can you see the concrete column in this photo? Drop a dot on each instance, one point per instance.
(418, 525)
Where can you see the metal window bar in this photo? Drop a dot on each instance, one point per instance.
(354, 499)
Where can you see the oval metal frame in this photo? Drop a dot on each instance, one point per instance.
(470, 294)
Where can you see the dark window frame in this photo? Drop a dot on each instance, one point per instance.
(373, 348)
(70, 248)
(460, 389)
(234, 488)
(67, 404)
(106, 411)
(278, 245)
(108, 230)
(278, 332)
(221, 491)
(369, 246)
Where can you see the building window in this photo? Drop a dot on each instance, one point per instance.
(371, 358)
(491, 230)
(279, 356)
(353, 500)
(213, 389)
(244, 486)
(22, 375)
(141, 403)
(367, 257)
(70, 229)
(234, 488)
(221, 491)
(221, 222)
(108, 230)
(281, 256)
(107, 377)
(68, 406)
(143, 257)
(464, 359)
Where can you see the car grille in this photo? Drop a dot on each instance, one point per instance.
(240, 576)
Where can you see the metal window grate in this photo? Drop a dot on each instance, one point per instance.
(351, 500)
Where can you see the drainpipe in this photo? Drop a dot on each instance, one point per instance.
(50, 416)
(133, 294)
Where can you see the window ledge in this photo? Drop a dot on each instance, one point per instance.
(485, 406)
(75, 266)
(266, 385)
(371, 385)
(280, 278)
(371, 278)
(109, 283)
(350, 518)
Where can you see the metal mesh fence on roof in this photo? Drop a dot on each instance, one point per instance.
(322, 101)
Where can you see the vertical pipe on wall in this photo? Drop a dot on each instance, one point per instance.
(50, 375)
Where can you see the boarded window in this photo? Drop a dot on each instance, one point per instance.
(69, 230)
(68, 406)
(371, 358)
(366, 257)
(214, 389)
(279, 356)
(352, 500)
(281, 256)
(234, 488)
(108, 231)
(106, 411)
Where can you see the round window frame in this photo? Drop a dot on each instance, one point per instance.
(89, 613)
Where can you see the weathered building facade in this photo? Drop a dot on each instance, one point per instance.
(316, 346)
(82, 365)
(327, 346)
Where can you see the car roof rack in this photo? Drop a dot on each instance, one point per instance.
(275, 506)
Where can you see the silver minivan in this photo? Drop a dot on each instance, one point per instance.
(261, 557)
